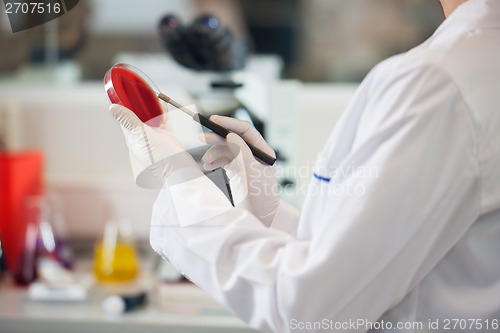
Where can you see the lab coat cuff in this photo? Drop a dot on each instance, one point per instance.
(195, 197)
(153, 176)
(286, 218)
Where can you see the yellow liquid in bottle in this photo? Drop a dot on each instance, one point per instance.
(115, 264)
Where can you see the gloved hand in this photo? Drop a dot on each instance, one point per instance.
(154, 152)
(252, 182)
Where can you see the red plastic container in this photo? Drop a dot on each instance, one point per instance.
(20, 177)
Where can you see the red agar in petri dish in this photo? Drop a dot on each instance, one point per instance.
(127, 86)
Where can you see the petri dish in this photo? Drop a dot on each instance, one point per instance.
(128, 86)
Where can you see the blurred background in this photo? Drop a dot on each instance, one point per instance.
(318, 40)
(67, 195)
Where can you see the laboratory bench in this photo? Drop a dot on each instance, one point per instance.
(19, 314)
(170, 307)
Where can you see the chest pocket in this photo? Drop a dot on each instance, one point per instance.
(332, 180)
(321, 181)
(323, 170)
(318, 198)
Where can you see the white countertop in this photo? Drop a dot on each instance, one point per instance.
(193, 313)
(170, 307)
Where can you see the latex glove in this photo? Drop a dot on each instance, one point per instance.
(252, 182)
(154, 152)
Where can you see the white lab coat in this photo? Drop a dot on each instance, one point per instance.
(406, 230)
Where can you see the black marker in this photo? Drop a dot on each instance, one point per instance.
(116, 305)
(223, 132)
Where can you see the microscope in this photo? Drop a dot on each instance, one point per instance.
(208, 48)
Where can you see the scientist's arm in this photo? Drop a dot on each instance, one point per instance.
(355, 256)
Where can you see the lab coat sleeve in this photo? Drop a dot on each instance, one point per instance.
(355, 255)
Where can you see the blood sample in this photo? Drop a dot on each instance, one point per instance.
(127, 87)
